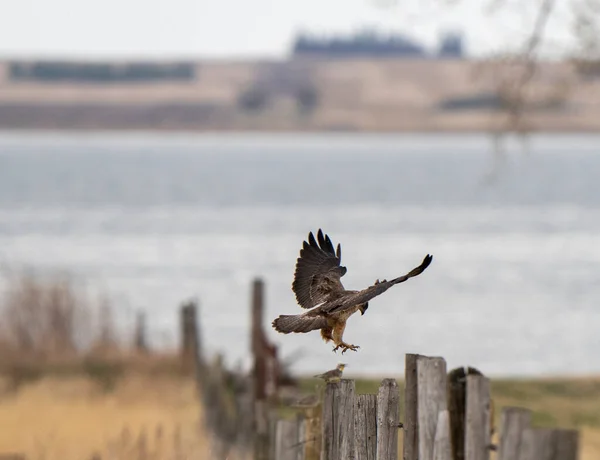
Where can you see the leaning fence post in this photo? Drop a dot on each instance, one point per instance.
(477, 429)
(411, 426)
(431, 400)
(513, 422)
(365, 426)
(338, 421)
(388, 420)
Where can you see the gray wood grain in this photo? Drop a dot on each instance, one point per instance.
(286, 440)
(338, 421)
(536, 444)
(365, 426)
(411, 426)
(513, 422)
(477, 429)
(431, 400)
(442, 447)
(344, 421)
(388, 419)
(327, 422)
(301, 436)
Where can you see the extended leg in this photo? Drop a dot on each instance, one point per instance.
(338, 333)
(345, 347)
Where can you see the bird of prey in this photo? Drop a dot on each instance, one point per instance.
(318, 288)
(333, 375)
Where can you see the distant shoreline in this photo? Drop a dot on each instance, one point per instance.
(305, 95)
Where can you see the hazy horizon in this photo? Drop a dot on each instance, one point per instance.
(232, 29)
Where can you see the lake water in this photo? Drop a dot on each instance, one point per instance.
(153, 219)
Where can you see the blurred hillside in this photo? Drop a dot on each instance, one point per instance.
(306, 93)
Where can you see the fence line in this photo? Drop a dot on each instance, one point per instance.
(447, 415)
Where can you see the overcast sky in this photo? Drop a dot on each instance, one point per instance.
(250, 28)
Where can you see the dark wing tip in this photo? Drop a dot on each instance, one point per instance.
(322, 241)
(311, 239)
(426, 261)
(338, 253)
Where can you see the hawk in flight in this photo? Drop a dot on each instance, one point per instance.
(318, 287)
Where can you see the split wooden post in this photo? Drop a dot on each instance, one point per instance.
(365, 426)
(431, 400)
(338, 421)
(477, 429)
(388, 420)
(513, 422)
(457, 406)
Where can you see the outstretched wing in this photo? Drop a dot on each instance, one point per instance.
(318, 272)
(351, 299)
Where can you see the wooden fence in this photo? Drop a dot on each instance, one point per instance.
(447, 415)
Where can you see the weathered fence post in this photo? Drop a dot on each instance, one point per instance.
(536, 444)
(549, 444)
(566, 445)
(190, 337)
(513, 422)
(312, 432)
(431, 400)
(365, 426)
(442, 446)
(388, 420)
(338, 421)
(457, 406)
(289, 439)
(261, 410)
(411, 425)
(477, 430)
(140, 342)
(257, 340)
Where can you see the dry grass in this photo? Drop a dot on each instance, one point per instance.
(49, 318)
(71, 388)
(74, 418)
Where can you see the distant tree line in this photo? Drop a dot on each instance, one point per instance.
(370, 44)
(57, 71)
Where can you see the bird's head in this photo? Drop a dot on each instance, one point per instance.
(363, 308)
(341, 366)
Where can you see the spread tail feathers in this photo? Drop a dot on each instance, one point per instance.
(298, 323)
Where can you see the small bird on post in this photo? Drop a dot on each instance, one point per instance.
(333, 375)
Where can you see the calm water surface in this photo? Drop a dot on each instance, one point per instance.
(155, 219)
